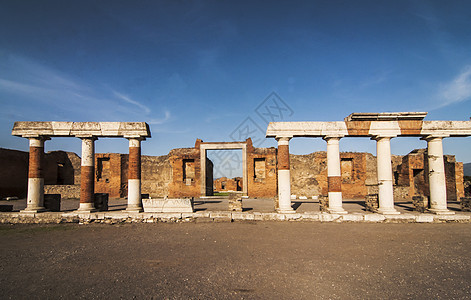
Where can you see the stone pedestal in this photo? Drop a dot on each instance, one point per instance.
(371, 202)
(235, 202)
(421, 203)
(323, 203)
(100, 201)
(52, 202)
(465, 203)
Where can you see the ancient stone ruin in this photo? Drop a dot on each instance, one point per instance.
(424, 177)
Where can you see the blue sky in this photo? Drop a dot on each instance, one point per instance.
(201, 69)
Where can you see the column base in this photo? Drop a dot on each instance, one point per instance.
(134, 209)
(33, 210)
(441, 211)
(337, 210)
(388, 211)
(86, 208)
(285, 211)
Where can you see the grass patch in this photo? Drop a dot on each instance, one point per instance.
(221, 194)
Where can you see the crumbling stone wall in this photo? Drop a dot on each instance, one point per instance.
(111, 174)
(224, 184)
(156, 175)
(309, 174)
(186, 172)
(262, 173)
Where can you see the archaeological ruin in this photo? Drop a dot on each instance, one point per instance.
(328, 177)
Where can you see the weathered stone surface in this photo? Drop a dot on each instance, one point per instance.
(167, 205)
(323, 203)
(52, 202)
(372, 202)
(81, 129)
(100, 201)
(421, 203)
(235, 202)
(465, 203)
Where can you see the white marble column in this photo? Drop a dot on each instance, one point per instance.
(87, 175)
(35, 198)
(385, 178)
(284, 184)
(134, 176)
(436, 175)
(334, 175)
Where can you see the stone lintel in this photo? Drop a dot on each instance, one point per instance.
(386, 116)
(81, 129)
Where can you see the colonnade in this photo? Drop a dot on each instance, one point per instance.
(437, 181)
(35, 198)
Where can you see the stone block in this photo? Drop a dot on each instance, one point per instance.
(295, 216)
(421, 203)
(310, 217)
(168, 205)
(242, 216)
(100, 201)
(323, 203)
(372, 202)
(423, 218)
(374, 218)
(235, 202)
(220, 215)
(465, 203)
(52, 202)
(326, 217)
(293, 197)
(352, 217)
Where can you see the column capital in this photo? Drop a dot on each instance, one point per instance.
(139, 138)
(434, 137)
(332, 137)
(87, 137)
(283, 140)
(381, 137)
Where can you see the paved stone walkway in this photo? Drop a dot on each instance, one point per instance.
(216, 209)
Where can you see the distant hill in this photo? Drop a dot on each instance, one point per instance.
(467, 169)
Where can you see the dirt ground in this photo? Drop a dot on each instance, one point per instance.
(249, 260)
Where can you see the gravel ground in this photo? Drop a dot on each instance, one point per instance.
(242, 260)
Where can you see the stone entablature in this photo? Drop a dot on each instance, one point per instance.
(352, 127)
(88, 132)
(81, 129)
(381, 127)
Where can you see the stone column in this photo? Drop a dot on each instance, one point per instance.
(284, 185)
(87, 176)
(134, 176)
(334, 178)
(35, 198)
(385, 178)
(436, 175)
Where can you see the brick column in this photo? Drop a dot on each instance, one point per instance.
(385, 179)
(334, 175)
(436, 175)
(35, 198)
(87, 176)
(284, 185)
(134, 176)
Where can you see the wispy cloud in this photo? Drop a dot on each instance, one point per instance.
(129, 100)
(161, 121)
(457, 90)
(52, 92)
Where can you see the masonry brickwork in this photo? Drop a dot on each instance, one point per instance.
(224, 184)
(178, 174)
